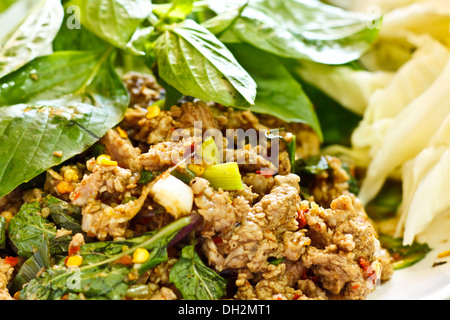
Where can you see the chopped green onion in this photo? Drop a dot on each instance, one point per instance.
(186, 176)
(146, 177)
(275, 262)
(2, 233)
(225, 176)
(138, 291)
(209, 151)
(128, 199)
(291, 145)
(291, 148)
(403, 255)
(408, 261)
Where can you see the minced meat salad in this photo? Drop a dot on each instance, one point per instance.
(141, 215)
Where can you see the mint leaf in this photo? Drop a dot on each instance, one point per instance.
(64, 214)
(32, 266)
(27, 227)
(194, 279)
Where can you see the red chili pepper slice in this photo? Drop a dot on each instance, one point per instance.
(12, 261)
(365, 265)
(301, 219)
(125, 260)
(73, 250)
(265, 172)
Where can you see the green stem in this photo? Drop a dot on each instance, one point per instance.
(105, 55)
(153, 19)
(165, 231)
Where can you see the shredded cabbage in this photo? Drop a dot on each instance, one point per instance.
(410, 132)
(425, 186)
(405, 128)
(411, 81)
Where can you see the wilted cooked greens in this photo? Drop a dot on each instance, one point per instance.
(194, 279)
(104, 268)
(99, 276)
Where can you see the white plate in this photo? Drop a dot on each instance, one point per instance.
(422, 281)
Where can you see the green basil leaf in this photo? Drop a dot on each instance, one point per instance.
(178, 10)
(107, 87)
(224, 20)
(50, 76)
(220, 7)
(5, 4)
(337, 122)
(137, 46)
(32, 266)
(71, 36)
(31, 133)
(312, 166)
(305, 29)
(196, 63)
(194, 279)
(27, 227)
(171, 95)
(64, 214)
(32, 37)
(113, 21)
(278, 93)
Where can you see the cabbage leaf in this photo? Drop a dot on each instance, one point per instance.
(409, 133)
(411, 81)
(335, 81)
(424, 189)
(403, 133)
